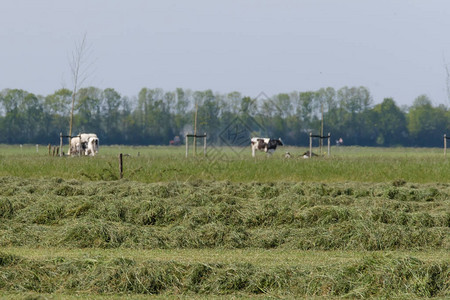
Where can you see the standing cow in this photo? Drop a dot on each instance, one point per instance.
(75, 146)
(267, 145)
(84, 143)
(90, 142)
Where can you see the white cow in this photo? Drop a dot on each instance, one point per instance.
(84, 143)
(92, 146)
(267, 145)
(75, 146)
(90, 143)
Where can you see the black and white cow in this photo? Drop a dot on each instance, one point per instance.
(90, 143)
(267, 145)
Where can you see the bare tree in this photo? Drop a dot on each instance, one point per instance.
(79, 69)
(447, 80)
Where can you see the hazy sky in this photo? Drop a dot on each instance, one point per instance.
(394, 48)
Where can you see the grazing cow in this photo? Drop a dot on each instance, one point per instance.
(265, 144)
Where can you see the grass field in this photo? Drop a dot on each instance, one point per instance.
(162, 164)
(363, 223)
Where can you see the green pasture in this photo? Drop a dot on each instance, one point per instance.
(362, 223)
(91, 239)
(164, 164)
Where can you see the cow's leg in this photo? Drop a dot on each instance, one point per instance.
(253, 151)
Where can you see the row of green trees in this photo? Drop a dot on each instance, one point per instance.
(155, 116)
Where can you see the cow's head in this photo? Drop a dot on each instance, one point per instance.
(95, 144)
(261, 144)
(274, 143)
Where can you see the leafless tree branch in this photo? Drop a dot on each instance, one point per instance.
(80, 70)
(447, 80)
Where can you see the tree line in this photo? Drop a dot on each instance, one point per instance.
(155, 116)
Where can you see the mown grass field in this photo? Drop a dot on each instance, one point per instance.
(363, 223)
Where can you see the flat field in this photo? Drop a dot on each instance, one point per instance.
(362, 223)
(166, 164)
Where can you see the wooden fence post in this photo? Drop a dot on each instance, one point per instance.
(329, 144)
(204, 145)
(61, 143)
(49, 150)
(187, 145)
(120, 165)
(445, 144)
(310, 144)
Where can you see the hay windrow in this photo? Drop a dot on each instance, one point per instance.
(372, 276)
(128, 216)
(224, 214)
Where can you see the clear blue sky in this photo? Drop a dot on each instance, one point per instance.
(394, 48)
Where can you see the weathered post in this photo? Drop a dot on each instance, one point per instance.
(445, 144)
(310, 144)
(120, 166)
(49, 149)
(187, 145)
(329, 144)
(57, 151)
(204, 145)
(61, 143)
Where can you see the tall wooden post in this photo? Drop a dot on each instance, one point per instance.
(187, 145)
(120, 165)
(195, 129)
(204, 145)
(445, 144)
(329, 143)
(321, 132)
(310, 144)
(61, 143)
